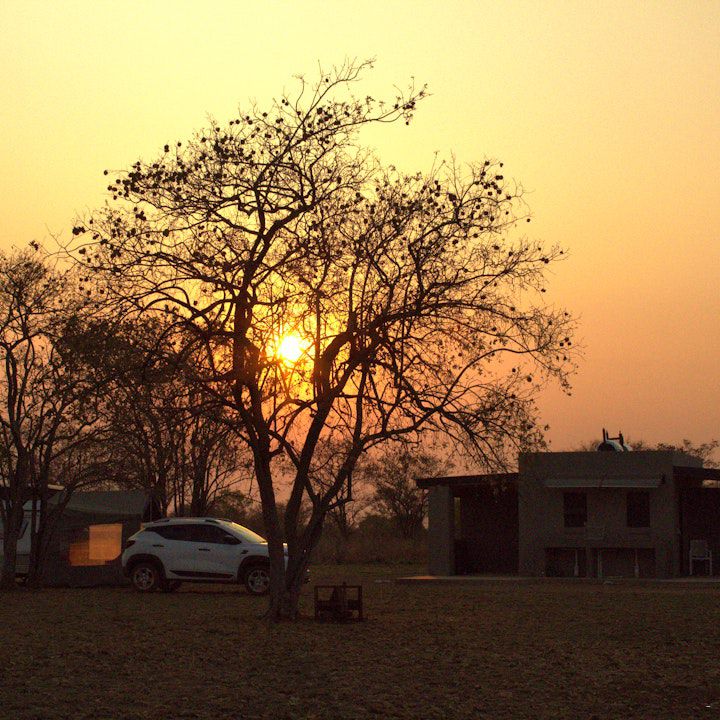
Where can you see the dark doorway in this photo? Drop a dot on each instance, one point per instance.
(565, 562)
(699, 520)
(488, 537)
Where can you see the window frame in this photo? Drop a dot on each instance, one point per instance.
(574, 517)
(637, 511)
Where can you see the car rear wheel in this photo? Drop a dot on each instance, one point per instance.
(257, 580)
(146, 577)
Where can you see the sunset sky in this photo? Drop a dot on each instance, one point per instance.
(608, 113)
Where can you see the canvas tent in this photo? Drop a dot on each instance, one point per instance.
(88, 537)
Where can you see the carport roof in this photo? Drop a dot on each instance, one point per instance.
(696, 473)
(602, 482)
(458, 481)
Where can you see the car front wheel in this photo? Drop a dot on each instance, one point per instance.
(257, 580)
(146, 577)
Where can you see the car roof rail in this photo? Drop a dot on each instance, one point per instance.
(212, 520)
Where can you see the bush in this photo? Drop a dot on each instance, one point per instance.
(370, 543)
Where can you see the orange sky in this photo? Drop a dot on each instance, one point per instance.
(608, 113)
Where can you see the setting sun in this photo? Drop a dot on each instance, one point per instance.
(290, 349)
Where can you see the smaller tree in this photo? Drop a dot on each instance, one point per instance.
(396, 495)
(47, 398)
(166, 436)
(704, 451)
(210, 458)
(238, 506)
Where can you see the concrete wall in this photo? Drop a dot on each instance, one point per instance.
(540, 508)
(441, 531)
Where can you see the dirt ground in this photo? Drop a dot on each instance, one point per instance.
(493, 650)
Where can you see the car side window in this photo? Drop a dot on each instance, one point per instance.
(172, 532)
(211, 534)
(227, 538)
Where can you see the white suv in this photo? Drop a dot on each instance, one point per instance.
(173, 550)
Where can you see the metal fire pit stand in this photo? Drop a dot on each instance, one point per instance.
(339, 603)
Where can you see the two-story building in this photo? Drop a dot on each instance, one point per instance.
(581, 514)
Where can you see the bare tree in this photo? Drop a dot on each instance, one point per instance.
(397, 496)
(164, 434)
(210, 463)
(46, 398)
(331, 299)
(353, 499)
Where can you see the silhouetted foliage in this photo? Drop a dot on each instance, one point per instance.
(396, 494)
(704, 451)
(49, 400)
(165, 435)
(412, 306)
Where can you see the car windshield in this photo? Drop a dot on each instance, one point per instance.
(247, 534)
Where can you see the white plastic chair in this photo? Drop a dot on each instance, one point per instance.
(700, 552)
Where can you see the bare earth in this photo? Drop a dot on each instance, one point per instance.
(491, 650)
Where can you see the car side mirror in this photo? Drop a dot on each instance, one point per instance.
(231, 541)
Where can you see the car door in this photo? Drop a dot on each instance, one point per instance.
(220, 550)
(186, 553)
(205, 551)
(179, 551)
(167, 543)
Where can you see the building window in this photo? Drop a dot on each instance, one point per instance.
(638, 509)
(575, 509)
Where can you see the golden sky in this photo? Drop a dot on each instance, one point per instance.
(607, 112)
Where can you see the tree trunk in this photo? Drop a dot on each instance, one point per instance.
(294, 575)
(286, 582)
(43, 537)
(38, 555)
(10, 540)
(278, 606)
(198, 502)
(36, 569)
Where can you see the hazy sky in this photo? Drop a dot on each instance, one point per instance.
(607, 112)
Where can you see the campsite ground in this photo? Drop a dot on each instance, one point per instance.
(494, 650)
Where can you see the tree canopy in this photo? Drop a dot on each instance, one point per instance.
(408, 303)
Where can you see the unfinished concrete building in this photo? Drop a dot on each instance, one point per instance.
(579, 514)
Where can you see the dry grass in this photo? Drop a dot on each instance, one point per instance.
(496, 650)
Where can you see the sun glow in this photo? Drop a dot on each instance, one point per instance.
(289, 349)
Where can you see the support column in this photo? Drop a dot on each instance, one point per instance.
(441, 531)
